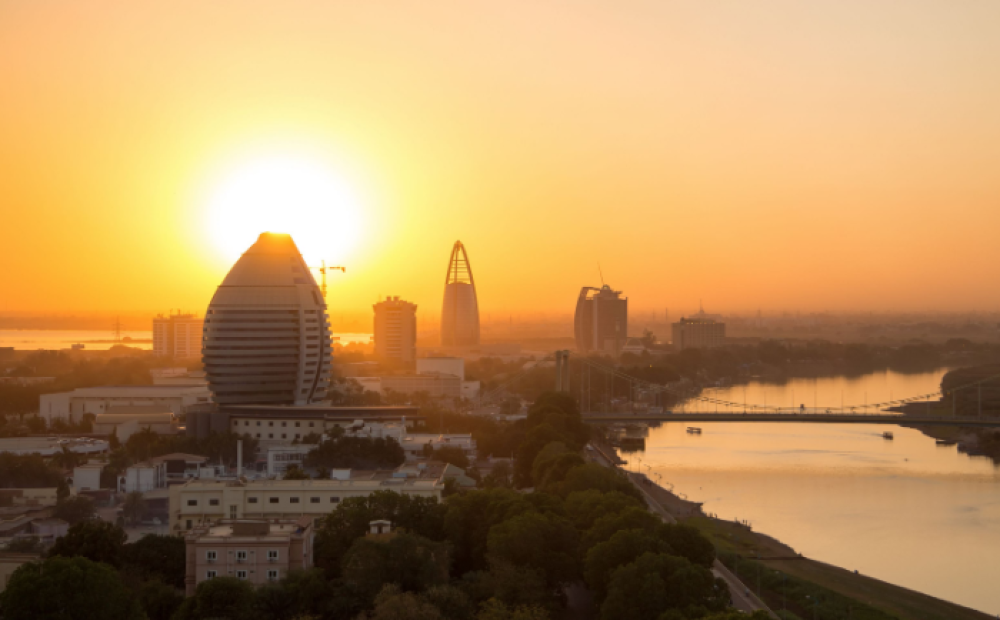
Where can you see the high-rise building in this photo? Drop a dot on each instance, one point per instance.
(177, 335)
(698, 333)
(396, 330)
(601, 321)
(460, 310)
(267, 336)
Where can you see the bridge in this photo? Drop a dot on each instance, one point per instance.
(828, 418)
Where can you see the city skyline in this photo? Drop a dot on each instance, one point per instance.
(837, 144)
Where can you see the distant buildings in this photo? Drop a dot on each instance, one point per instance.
(700, 331)
(460, 310)
(48, 446)
(124, 422)
(256, 551)
(445, 365)
(71, 406)
(267, 336)
(177, 335)
(601, 321)
(396, 330)
(284, 424)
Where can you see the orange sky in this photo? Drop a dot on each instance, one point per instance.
(774, 154)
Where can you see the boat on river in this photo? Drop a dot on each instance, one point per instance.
(694, 430)
(887, 435)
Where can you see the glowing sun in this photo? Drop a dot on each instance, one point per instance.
(285, 194)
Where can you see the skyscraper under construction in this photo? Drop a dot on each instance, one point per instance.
(601, 321)
(460, 310)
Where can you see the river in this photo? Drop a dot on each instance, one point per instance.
(906, 510)
(97, 340)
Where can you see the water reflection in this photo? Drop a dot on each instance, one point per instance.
(904, 510)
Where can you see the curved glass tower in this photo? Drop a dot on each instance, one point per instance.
(267, 337)
(460, 310)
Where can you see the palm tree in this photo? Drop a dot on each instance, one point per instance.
(133, 508)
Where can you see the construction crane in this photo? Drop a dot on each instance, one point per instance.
(322, 270)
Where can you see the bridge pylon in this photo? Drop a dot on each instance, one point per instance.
(562, 371)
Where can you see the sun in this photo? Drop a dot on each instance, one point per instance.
(299, 195)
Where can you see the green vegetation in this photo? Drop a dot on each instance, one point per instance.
(356, 452)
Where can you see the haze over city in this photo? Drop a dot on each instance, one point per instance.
(784, 156)
(524, 310)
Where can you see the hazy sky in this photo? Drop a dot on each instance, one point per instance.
(777, 154)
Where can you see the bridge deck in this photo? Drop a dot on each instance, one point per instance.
(828, 418)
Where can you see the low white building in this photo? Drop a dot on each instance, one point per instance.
(71, 406)
(143, 477)
(281, 457)
(126, 421)
(47, 446)
(87, 477)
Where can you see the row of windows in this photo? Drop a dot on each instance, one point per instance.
(271, 500)
(241, 556)
(247, 423)
(272, 575)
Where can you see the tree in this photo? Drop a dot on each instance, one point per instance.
(540, 541)
(26, 471)
(95, 540)
(656, 583)
(159, 600)
(28, 544)
(67, 589)
(494, 609)
(160, 557)
(394, 604)
(221, 598)
(338, 530)
(412, 562)
(75, 510)
(294, 472)
(133, 508)
(621, 549)
(585, 507)
(688, 542)
(469, 518)
(628, 519)
(357, 452)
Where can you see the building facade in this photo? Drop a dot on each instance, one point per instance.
(259, 552)
(442, 365)
(698, 333)
(177, 335)
(71, 406)
(267, 335)
(200, 502)
(460, 309)
(286, 424)
(395, 330)
(601, 321)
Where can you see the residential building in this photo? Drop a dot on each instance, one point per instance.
(198, 502)
(180, 466)
(42, 496)
(601, 321)
(698, 333)
(256, 551)
(395, 332)
(267, 335)
(177, 335)
(71, 406)
(276, 423)
(460, 309)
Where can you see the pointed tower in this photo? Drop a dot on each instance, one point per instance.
(267, 336)
(460, 310)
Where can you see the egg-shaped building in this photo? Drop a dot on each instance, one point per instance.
(460, 310)
(267, 336)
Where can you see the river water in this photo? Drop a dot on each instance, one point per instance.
(97, 340)
(906, 511)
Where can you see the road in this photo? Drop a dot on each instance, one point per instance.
(743, 599)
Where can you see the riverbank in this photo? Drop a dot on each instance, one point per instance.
(804, 579)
